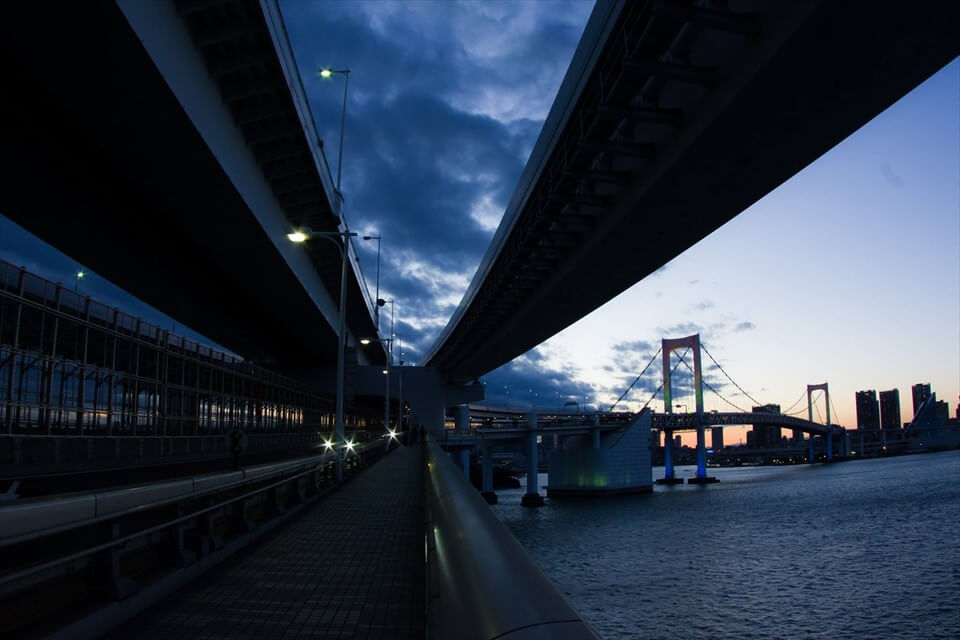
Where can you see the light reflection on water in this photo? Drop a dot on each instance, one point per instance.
(860, 549)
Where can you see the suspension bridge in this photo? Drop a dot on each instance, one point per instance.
(584, 431)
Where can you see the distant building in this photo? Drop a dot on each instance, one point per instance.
(890, 409)
(868, 410)
(677, 442)
(716, 438)
(921, 393)
(766, 436)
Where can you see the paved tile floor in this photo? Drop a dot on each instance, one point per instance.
(351, 566)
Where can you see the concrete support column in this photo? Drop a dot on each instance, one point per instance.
(701, 450)
(465, 461)
(532, 497)
(596, 432)
(810, 455)
(486, 476)
(463, 417)
(668, 454)
(829, 446)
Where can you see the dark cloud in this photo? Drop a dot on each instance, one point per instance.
(437, 134)
(745, 326)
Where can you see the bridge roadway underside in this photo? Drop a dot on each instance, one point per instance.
(818, 72)
(100, 159)
(351, 567)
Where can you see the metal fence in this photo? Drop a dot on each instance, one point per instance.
(70, 365)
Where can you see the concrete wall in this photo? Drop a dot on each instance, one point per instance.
(620, 465)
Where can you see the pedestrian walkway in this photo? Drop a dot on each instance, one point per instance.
(349, 567)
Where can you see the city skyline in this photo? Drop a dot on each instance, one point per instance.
(847, 273)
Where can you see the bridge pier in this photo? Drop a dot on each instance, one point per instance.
(532, 497)
(829, 437)
(596, 431)
(810, 457)
(486, 474)
(668, 477)
(702, 477)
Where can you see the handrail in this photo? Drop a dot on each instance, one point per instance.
(31, 518)
(481, 584)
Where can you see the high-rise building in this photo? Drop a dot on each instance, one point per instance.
(716, 438)
(766, 436)
(868, 410)
(677, 442)
(921, 392)
(890, 409)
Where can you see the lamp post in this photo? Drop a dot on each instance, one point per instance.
(76, 280)
(386, 372)
(677, 406)
(380, 303)
(326, 73)
(301, 236)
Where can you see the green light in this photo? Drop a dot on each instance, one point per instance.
(325, 73)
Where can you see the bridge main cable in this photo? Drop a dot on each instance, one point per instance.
(636, 380)
(708, 386)
(704, 347)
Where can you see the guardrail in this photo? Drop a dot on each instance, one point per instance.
(117, 541)
(481, 584)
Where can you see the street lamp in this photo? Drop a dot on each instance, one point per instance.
(677, 406)
(386, 373)
(77, 277)
(326, 73)
(302, 235)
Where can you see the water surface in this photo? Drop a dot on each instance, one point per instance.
(860, 549)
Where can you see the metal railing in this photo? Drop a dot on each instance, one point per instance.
(171, 523)
(481, 584)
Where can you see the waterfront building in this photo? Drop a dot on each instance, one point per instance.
(921, 392)
(890, 409)
(868, 410)
(716, 438)
(767, 436)
(677, 442)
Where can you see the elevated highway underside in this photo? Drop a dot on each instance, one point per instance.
(175, 172)
(674, 118)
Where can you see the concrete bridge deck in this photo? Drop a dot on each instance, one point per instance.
(350, 567)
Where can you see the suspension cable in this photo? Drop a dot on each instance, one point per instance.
(707, 384)
(836, 414)
(787, 411)
(637, 379)
(757, 402)
(660, 388)
(817, 407)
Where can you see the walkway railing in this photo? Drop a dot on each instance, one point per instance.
(116, 542)
(480, 581)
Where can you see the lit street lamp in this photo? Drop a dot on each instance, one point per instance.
(326, 73)
(301, 235)
(76, 282)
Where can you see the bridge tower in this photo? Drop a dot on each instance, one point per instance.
(670, 345)
(826, 398)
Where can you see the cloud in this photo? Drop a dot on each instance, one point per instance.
(744, 326)
(436, 134)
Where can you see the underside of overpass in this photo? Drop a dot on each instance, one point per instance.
(673, 118)
(106, 155)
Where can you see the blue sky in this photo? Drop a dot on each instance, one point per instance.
(847, 273)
